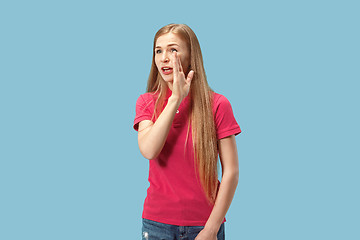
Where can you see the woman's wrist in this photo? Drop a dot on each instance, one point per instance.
(174, 100)
(211, 230)
(212, 227)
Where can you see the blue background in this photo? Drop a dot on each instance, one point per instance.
(71, 72)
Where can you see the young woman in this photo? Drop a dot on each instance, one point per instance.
(183, 126)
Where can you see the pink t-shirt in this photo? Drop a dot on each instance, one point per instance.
(175, 195)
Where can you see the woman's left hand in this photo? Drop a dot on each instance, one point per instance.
(206, 235)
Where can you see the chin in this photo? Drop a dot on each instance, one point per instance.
(167, 79)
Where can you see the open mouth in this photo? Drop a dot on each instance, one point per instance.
(167, 70)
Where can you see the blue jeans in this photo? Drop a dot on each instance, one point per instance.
(152, 230)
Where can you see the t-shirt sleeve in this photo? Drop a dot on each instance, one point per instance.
(143, 111)
(225, 121)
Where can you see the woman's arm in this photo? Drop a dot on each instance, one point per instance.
(152, 136)
(230, 176)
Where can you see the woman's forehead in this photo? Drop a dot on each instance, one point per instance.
(170, 39)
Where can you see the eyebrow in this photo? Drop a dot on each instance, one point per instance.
(171, 44)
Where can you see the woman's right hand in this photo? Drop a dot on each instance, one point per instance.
(181, 84)
(152, 136)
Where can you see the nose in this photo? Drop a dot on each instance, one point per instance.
(165, 57)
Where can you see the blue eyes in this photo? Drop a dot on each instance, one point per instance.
(172, 50)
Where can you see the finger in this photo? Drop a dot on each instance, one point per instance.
(190, 76)
(175, 66)
(180, 65)
(177, 62)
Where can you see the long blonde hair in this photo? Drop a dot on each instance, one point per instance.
(201, 114)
